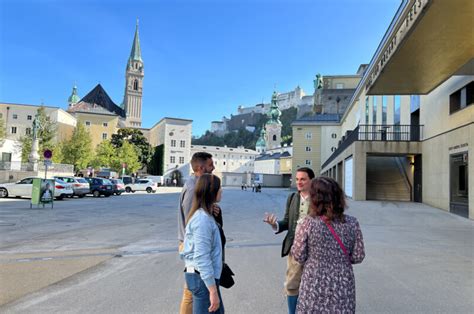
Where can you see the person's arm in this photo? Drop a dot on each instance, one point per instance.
(202, 234)
(299, 250)
(283, 224)
(358, 253)
(186, 201)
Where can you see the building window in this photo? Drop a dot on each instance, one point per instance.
(172, 159)
(461, 98)
(13, 129)
(88, 123)
(15, 116)
(384, 110)
(374, 110)
(223, 163)
(334, 135)
(333, 149)
(28, 131)
(366, 110)
(274, 137)
(414, 103)
(308, 148)
(396, 109)
(181, 160)
(182, 143)
(339, 85)
(135, 85)
(105, 124)
(104, 136)
(29, 117)
(308, 162)
(309, 135)
(173, 143)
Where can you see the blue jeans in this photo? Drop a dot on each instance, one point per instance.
(200, 293)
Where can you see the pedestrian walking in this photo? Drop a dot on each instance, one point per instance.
(327, 243)
(297, 206)
(202, 251)
(201, 163)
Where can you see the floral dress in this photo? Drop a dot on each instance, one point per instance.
(327, 284)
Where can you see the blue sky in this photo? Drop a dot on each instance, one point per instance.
(202, 58)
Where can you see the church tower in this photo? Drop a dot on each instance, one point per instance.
(273, 125)
(132, 101)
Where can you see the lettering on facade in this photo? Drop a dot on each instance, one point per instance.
(458, 146)
(397, 37)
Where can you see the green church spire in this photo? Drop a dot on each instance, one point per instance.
(274, 113)
(136, 53)
(74, 98)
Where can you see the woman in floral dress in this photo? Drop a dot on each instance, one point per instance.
(327, 243)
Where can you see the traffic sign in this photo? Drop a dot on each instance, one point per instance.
(47, 154)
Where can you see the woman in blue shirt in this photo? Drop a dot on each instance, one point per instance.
(202, 252)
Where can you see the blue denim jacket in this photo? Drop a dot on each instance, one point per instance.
(202, 247)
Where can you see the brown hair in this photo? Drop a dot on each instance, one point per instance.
(327, 198)
(205, 193)
(199, 159)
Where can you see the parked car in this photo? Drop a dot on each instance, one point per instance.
(24, 187)
(160, 180)
(100, 186)
(80, 186)
(127, 179)
(118, 186)
(142, 185)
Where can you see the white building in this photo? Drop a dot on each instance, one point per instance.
(269, 163)
(229, 159)
(19, 118)
(175, 135)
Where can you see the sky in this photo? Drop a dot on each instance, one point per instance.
(202, 58)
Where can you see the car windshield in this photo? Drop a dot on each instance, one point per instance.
(106, 181)
(60, 181)
(81, 180)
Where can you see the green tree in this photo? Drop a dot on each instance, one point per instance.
(78, 150)
(58, 155)
(2, 129)
(127, 154)
(155, 166)
(105, 155)
(46, 135)
(136, 138)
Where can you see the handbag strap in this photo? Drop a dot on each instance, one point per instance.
(337, 238)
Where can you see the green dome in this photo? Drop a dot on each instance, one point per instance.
(74, 98)
(261, 140)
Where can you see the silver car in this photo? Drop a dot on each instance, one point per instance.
(80, 186)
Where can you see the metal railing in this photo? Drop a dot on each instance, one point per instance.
(390, 132)
(377, 132)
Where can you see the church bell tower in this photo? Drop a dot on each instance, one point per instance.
(132, 102)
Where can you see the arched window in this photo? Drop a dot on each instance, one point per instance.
(135, 85)
(274, 137)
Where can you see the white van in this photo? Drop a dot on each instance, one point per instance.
(160, 180)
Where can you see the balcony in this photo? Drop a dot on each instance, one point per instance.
(377, 132)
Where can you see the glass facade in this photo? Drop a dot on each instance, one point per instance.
(396, 109)
(366, 110)
(414, 102)
(384, 110)
(374, 110)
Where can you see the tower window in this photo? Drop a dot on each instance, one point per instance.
(274, 137)
(29, 117)
(135, 85)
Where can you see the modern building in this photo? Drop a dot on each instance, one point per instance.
(420, 142)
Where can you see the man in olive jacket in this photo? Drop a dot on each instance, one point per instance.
(297, 206)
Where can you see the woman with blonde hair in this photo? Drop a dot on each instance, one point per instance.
(202, 252)
(327, 243)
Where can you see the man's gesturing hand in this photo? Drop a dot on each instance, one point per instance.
(270, 219)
